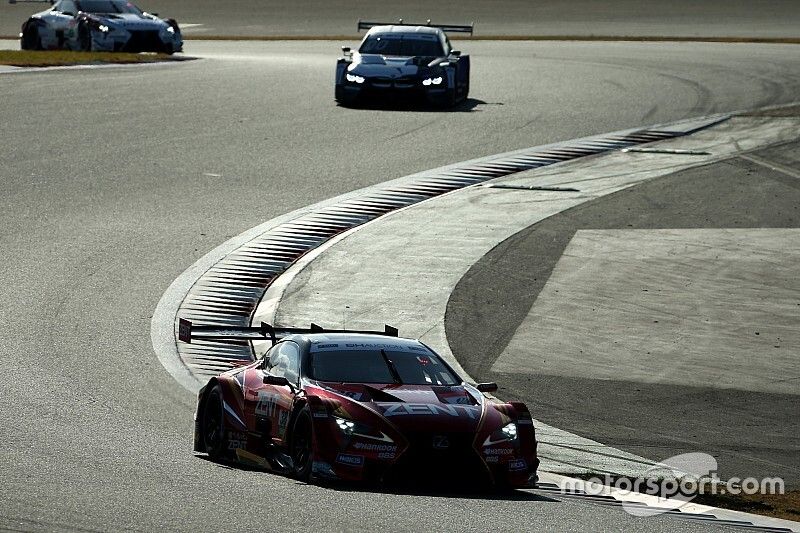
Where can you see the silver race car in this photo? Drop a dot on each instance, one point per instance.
(99, 25)
(405, 60)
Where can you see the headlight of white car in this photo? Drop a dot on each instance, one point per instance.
(354, 78)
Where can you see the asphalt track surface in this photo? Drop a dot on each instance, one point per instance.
(751, 433)
(729, 18)
(116, 180)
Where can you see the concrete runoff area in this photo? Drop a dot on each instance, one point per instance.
(749, 422)
(403, 267)
(689, 307)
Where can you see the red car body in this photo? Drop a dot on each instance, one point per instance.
(364, 431)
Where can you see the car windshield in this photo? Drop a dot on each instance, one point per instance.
(380, 366)
(107, 6)
(402, 45)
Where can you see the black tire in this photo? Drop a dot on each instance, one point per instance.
(342, 98)
(84, 38)
(301, 445)
(213, 424)
(30, 38)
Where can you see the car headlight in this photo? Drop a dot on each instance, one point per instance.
(347, 426)
(103, 28)
(354, 78)
(352, 428)
(510, 431)
(432, 81)
(507, 433)
(170, 29)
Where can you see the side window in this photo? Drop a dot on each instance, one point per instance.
(447, 46)
(68, 6)
(284, 360)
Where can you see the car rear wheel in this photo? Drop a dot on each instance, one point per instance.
(30, 38)
(84, 38)
(301, 445)
(213, 424)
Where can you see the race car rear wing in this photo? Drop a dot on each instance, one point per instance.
(362, 25)
(188, 331)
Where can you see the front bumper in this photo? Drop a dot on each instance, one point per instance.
(424, 460)
(379, 89)
(137, 41)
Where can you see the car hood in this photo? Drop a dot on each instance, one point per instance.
(130, 21)
(418, 407)
(369, 65)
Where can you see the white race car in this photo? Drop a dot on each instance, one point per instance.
(99, 25)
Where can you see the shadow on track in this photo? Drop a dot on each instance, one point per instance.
(404, 488)
(467, 106)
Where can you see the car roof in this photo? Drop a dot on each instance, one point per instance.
(401, 28)
(324, 338)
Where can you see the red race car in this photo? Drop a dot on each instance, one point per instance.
(353, 406)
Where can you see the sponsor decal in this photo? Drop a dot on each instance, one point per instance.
(517, 464)
(368, 447)
(403, 409)
(236, 440)
(492, 459)
(372, 346)
(498, 451)
(357, 396)
(323, 346)
(459, 400)
(386, 455)
(267, 403)
(524, 422)
(351, 460)
(440, 442)
(283, 421)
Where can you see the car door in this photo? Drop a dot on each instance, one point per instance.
(63, 23)
(272, 404)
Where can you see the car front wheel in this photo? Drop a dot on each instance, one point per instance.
(213, 426)
(84, 38)
(301, 445)
(30, 38)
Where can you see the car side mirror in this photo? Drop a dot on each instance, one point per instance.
(154, 14)
(68, 13)
(280, 381)
(346, 49)
(456, 53)
(486, 387)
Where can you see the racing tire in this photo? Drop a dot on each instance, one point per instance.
(449, 99)
(30, 38)
(213, 424)
(84, 38)
(343, 99)
(301, 447)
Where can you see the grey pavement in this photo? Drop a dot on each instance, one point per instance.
(702, 347)
(114, 181)
(737, 18)
(403, 268)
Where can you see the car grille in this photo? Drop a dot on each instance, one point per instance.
(406, 82)
(144, 41)
(429, 462)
